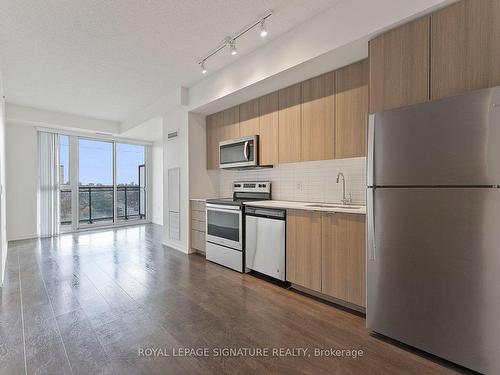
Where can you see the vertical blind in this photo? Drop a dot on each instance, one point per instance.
(48, 184)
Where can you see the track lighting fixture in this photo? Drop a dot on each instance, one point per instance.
(263, 29)
(230, 41)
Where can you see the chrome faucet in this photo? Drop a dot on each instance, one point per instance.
(344, 199)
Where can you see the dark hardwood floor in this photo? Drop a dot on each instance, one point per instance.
(98, 302)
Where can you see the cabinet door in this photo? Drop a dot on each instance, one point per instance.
(303, 248)
(465, 47)
(343, 257)
(289, 123)
(230, 123)
(268, 129)
(214, 124)
(351, 108)
(399, 66)
(317, 139)
(249, 118)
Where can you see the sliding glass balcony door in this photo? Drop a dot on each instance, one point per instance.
(130, 195)
(102, 182)
(96, 182)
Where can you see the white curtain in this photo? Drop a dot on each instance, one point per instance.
(48, 184)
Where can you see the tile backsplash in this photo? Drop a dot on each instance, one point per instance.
(313, 181)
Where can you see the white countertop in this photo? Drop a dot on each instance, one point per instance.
(349, 209)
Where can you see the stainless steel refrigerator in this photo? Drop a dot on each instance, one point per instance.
(433, 227)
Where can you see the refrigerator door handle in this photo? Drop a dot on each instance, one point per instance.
(370, 150)
(370, 227)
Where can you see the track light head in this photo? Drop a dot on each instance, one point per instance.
(232, 46)
(263, 29)
(203, 69)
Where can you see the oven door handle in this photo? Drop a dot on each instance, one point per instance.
(222, 208)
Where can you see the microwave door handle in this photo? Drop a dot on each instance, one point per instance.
(245, 150)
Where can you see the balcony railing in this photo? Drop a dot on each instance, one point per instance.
(96, 204)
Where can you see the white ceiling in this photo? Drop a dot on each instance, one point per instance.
(108, 59)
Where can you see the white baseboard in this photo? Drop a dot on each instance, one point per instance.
(23, 237)
(175, 247)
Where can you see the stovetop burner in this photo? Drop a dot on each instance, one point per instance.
(244, 191)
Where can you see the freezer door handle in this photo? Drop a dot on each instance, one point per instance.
(370, 150)
(370, 225)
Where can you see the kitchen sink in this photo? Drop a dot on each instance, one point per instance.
(334, 206)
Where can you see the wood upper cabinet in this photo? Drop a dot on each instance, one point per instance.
(399, 66)
(249, 118)
(303, 248)
(343, 257)
(289, 124)
(351, 110)
(465, 46)
(230, 123)
(214, 124)
(268, 129)
(317, 138)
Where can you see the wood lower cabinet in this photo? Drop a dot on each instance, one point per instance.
(214, 125)
(465, 46)
(268, 129)
(198, 235)
(399, 66)
(289, 124)
(317, 136)
(351, 110)
(343, 271)
(325, 252)
(303, 248)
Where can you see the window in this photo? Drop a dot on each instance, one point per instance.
(95, 186)
(107, 184)
(130, 178)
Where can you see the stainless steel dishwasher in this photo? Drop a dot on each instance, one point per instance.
(265, 241)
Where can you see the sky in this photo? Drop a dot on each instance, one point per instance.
(96, 161)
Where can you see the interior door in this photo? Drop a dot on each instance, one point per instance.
(453, 141)
(434, 271)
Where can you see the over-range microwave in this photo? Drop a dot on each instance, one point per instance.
(239, 153)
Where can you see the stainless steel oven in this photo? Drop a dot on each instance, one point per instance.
(238, 153)
(225, 225)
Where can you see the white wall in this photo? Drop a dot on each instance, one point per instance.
(3, 208)
(203, 183)
(175, 155)
(157, 182)
(22, 181)
(42, 117)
